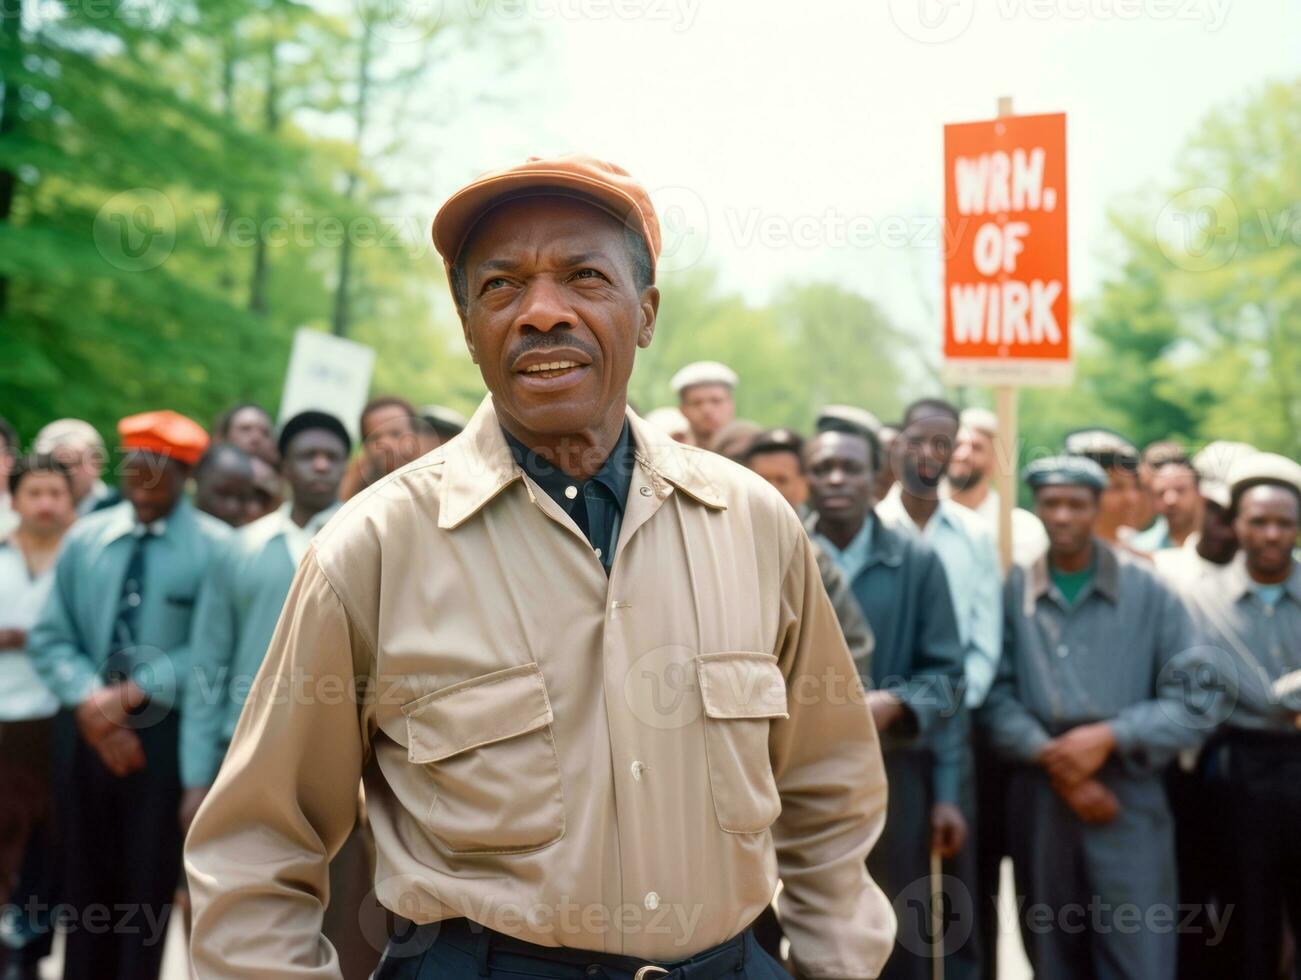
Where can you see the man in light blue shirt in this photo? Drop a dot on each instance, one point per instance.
(112, 643)
(245, 590)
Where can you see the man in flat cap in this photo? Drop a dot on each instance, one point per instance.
(1211, 548)
(113, 645)
(1252, 612)
(1101, 684)
(705, 393)
(588, 672)
(79, 446)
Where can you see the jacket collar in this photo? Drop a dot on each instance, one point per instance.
(1106, 576)
(478, 465)
(121, 520)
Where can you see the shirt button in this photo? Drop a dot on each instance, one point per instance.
(133, 599)
(571, 492)
(638, 768)
(652, 901)
(1063, 650)
(598, 552)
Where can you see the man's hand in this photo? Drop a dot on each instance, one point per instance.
(948, 829)
(121, 751)
(1092, 802)
(887, 710)
(101, 720)
(13, 639)
(1077, 755)
(191, 800)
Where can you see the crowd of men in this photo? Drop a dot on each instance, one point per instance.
(1118, 711)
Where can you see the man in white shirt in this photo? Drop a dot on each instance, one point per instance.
(41, 493)
(971, 484)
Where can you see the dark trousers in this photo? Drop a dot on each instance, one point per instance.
(123, 856)
(990, 846)
(1194, 809)
(26, 833)
(459, 950)
(1257, 780)
(900, 862)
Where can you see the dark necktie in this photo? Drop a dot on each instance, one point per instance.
(118, 665)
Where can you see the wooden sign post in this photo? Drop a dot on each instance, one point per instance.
(1006, 286)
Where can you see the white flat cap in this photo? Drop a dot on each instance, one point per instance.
(703, 373)
(980, 419)
(1264, 468)
(73, 433)
(1213, 464)
(669, 420)
(838, 417)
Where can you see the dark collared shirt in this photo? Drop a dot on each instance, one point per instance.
(595, 505)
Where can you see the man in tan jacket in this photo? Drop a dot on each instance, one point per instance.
(590, 677)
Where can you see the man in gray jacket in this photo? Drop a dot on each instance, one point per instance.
(1101, 684)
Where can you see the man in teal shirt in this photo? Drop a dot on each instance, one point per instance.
(245, 589)
(112, 644)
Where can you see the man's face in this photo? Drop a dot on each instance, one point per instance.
(268, 493)
(1219, 541)
(840, 477)
(44, 504)
(1266, 526)
(708, 408)
(1119, 504)
(922, 452)
(224, 489)
(782, 469)
(390, 439)
(973, 455)
(250, 430)
(314, 463)
(553, 316)
(6, 463)
(1069, 515)
(1177, 500)
(153, 484)
(83, 464)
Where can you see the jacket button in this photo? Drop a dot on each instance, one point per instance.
(652, 901)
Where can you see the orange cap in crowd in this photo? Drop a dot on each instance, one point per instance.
(164, 433)
(603, 184)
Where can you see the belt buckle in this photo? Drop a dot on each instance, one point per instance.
(649, 970)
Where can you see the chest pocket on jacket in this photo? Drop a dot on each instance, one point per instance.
(742, 694)
(487, 745)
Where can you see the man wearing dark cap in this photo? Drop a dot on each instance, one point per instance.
(566, 644)
(113, 644)
(1101, 684)
(1252, 612)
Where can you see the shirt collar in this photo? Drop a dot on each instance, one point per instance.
(122, 520)
(615, 473)
(1240, 583)
(314, 523)
(1106, 576)
(478, 465)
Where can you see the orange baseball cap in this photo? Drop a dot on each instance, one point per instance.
(598, 182)
(164, 433)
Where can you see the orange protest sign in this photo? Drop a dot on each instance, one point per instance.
(1006, 289)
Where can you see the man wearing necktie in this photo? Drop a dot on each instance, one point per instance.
(112, 643)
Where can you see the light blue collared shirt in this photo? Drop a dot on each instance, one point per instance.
(73, 637)
(966, 549)
(857, 553)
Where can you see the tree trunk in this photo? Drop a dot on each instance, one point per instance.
(340, 321)
(11, 30)
(257, 299)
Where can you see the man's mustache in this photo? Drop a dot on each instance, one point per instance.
(551, 341)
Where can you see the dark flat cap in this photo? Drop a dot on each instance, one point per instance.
(1065, 471)
(312, 419)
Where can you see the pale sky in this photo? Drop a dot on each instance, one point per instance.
(769, 131)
